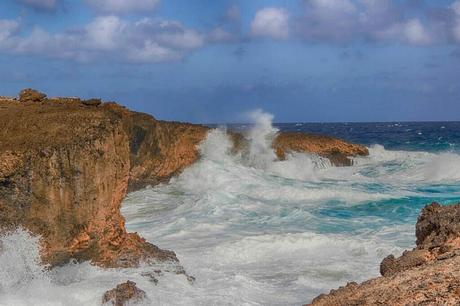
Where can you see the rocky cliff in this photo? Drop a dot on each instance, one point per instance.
(427, 275)
(66, 165)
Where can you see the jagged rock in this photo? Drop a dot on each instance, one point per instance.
(427, 275)
(336, 150)
(124, 294)
(438, 226)
(31, 95)
(410, 259)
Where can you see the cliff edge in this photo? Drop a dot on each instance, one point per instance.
(66, 164)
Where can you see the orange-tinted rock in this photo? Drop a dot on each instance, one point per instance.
(336, 150)
(161, 149)
(65, 167)
(64, 170)
(31, 95)
(124, 294)
(427, 275)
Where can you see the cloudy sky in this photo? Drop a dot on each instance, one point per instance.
(211, 61)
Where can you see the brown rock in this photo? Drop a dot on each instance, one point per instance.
(31, 95)
(66, 168)
(418, 277)
(410, 259)
(92, 102)
(438, 226)
(161, 149)
(336, 150)
(124, 294)
(63, 174)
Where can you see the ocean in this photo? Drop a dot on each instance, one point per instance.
(254, 231)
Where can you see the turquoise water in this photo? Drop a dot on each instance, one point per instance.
(256, 231)
(261, 232)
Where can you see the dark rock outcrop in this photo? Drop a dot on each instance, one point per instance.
(124, 294)
(427, 275)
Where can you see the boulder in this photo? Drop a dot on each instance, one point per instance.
(92, 102)
(31, 95)
(124, 294)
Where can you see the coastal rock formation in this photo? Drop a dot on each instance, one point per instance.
(66, 164)
(427, 275)
(64, 170)
(336, 150)
(124, 294)
(161, 149)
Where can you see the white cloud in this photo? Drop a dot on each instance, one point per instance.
(104, 32)
(271, 22)
(110, 37)
(123, 6)
(40, 4)
(344, 21)
(415, 33)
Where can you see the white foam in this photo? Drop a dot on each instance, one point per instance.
(252, 230)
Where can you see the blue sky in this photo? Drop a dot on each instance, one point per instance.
(211, 61)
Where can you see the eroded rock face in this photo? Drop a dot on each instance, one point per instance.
(427, 275)
(336, 150)
(124, 294)
(66, 165)
(161, 149)
(64, 170)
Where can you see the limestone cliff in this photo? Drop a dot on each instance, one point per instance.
(66, 165)
(427, 275)
(64, 170)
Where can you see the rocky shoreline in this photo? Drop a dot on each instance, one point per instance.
(66, 164)
(427, 275)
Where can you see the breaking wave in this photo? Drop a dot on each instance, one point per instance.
(253, 230)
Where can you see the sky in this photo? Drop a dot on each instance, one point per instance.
(211, 61)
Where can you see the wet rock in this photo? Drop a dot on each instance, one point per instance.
(31, 95)
(124, 294)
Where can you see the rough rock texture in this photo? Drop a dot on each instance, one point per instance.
(64, 170)
(30, 95)
(124, 294)
(66, 165)
(161, 149)
(427, 275)
(336, 150)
